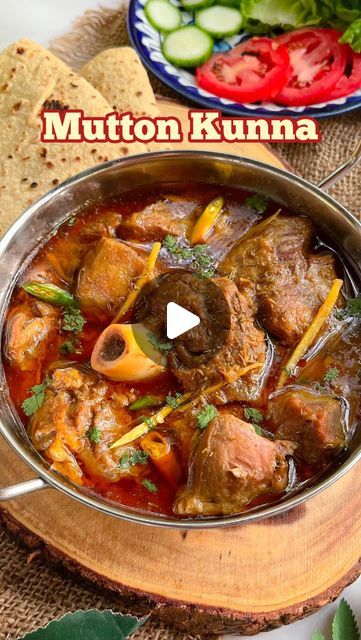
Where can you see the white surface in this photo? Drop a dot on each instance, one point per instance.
(43, 20)
(179, 320)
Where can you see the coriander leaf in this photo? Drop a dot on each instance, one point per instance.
(37, 399)
(71, 222)
(262, 432)
(258, 430)
(258, 202)
(354, 306)
(139, 457)
(344, 625)
(202, 261)
(149, 421)
(198, 256)
(173, 246)
(254, 415)
(124, 462)
(206, 415)
(170, 243)
(88, 625)
(148, 484)
(331, 375)
(163, 347)
(352, 309)
(173, 401)
(318, 636)
(95, 435)
(67, 347)
(73, 320)
(136, 457)
(328, 378)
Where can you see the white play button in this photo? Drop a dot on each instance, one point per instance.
(179, 320)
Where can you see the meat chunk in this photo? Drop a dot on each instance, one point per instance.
(242, 345)
(290, 282)
(231, 466)
(341, 353)
(30, 329)
(104, 226)
(154, 222)
(107, 274)
(76, 425)
(313, 421)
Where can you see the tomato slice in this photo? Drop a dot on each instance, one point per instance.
(350, 80)
(254, 70)
(317, 61)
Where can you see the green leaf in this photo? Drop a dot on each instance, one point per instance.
(344, 625)
(254, 415)
(37, 399)
(331, 374)
(352, 309)
(173, 246)
(73, 320)
(67, 347)
(163, 347)
(148, 484)
(136, 457)
(206, 415)
(198, 256)
(173, 401)
(318, 636)
(258, 202)
(352, 36)
(88, 625)
(95, 435)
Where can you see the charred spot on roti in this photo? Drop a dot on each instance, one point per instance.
(56, 105)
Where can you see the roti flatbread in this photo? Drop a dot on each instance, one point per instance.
(121, 78)
(32, 78)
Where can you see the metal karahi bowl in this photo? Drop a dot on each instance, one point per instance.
(43, 218)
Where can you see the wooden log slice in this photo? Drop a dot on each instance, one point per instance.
(243, 579)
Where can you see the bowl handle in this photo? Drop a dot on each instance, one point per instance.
(343, 169)
(21, 489)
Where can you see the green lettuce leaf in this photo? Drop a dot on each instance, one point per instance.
(344, 625)
(287, 14)
(352, 36)
(318, 636)
(347, 10)
(263, 16)
(88, 625)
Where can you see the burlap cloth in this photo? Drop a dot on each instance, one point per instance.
(31, 594)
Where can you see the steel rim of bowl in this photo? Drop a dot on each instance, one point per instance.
(55, 481)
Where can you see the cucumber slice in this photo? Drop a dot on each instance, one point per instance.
(194, 5)
(219, 22)
(187, 46)
(162, 15)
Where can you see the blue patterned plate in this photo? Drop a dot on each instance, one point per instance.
(147, 42)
